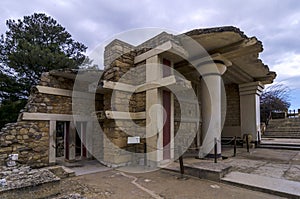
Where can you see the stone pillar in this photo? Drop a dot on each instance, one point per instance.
(250, 108)
(89, 139)
(211, 104)
(52, 142)
(72, 142)
(154, 112)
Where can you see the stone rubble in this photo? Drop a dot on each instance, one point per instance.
(71, 196)
(23, 176)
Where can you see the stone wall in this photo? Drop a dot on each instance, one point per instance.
(30, 138)
(233, 105)
(116, 130)
(187, 129)
(114, 50)
(156, 41)
(120, 67)
(232, 126)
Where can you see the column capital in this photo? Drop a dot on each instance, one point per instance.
(211, 68)
(251, 88)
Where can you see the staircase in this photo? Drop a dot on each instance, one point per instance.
(283, 128)
(282, 134)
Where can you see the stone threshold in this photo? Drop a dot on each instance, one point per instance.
(275, 186)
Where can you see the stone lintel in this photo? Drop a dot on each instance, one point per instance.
(251, 88)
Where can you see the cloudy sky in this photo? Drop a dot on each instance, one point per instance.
(275, 22)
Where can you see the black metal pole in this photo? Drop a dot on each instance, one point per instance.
(145, 153)
(234, 147)
(247, 140)
(216, 150)
(181, 166)
(294, 113)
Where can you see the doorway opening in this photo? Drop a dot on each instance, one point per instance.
(80, 140)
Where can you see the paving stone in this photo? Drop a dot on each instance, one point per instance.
(276, 186)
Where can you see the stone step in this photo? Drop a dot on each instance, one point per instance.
(204, 170)
(61, 171)
(283, 129)
(279, 146)
(281, 133)
(280, 187)
(281, 136)
(291, 127)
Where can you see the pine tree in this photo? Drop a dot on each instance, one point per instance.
(31, 46)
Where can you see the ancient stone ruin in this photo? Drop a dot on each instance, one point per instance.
(75, 114)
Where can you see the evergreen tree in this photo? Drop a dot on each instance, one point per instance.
(31, 46)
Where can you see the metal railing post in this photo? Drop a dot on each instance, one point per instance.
(234, 147)
(145, 153)
(247, 142)
(216, 150)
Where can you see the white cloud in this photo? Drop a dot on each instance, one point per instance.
(275, 22)
(288, 65)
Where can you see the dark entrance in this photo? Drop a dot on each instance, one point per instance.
(80, 149)
(167, 113)
(60, 139)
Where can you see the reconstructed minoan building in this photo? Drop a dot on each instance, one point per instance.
(150, 104)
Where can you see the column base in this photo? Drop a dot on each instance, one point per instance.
(213, 155)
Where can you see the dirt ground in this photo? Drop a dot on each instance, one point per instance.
(158, 184)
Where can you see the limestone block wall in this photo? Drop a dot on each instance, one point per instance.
(114, 50)
(232, 120)
(187, 139)
(156, 41)
(122, 69)
(30, 138)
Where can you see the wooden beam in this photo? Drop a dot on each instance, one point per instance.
(166, 81)
(156, 84)
(163, 82)
(53, 117)
(54, 91)
(187, 119)
(64, 92)
(118, 86)
(167, 46)
(125, 115)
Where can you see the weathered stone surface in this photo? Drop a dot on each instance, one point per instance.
(24, 142)
(24, 182)
(71, 196)
(233, 105)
